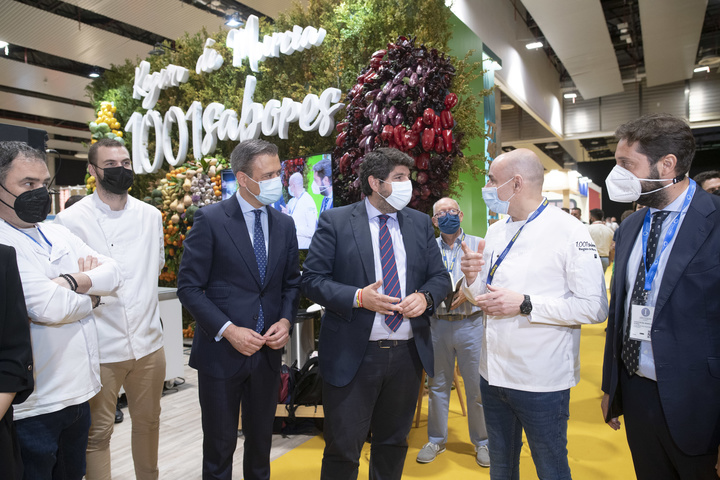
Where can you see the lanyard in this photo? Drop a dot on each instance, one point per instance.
(31, 238)
(532, 217)
(652, 271)
(454, 257)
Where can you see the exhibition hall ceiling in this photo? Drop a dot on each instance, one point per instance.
(597, 46)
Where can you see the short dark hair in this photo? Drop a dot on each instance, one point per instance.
(9, 151)
(242, 157)
(103, 142)
(379, 163)
(703, 177)
(565, 209)
(323, 168)
(72, 200)
(576, 208)
(658, 135)
(597, 214)
(626, 214)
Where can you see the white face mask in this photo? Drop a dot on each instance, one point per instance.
(317, 189)
(270, 190)
(493, 202)
(624, 187)
(401, 194)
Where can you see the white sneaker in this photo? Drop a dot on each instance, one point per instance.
(429, 452)
(482, 456)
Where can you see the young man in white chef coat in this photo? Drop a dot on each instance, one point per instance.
(64, 281)
(129, 329)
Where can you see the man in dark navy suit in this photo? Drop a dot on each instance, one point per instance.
(662, 353)
(239, 278)
(377, 269)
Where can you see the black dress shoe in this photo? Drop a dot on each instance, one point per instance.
(119, 415)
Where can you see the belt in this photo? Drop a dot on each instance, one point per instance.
(458, 316)
(387, 343)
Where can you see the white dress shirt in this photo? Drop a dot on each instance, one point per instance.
(128, 323)
(646, 366)
(62, 325)
(555, 261)
(303, 211)
(380, 330)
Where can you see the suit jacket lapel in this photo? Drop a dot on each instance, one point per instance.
(690, 237)
(275, 240)
(622, 257)
(237, 230)
(361, 231)
(409, 231)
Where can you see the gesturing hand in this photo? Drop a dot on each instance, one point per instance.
(244, 340)
(377, 302)
(472, 262)
(413, 305)
(500, 301)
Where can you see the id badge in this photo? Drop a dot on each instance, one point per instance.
(641, 322)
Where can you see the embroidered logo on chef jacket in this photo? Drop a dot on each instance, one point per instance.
(585, 246)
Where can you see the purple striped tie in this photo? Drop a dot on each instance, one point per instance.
(391, 283)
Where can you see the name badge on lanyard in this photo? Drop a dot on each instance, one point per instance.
(642, 315)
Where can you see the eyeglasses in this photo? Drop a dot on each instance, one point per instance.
(442, 213)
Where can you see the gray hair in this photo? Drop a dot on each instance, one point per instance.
(9, 151)
(244, 154)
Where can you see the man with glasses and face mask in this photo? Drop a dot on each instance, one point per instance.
(537, 278)
(376, 268)
(64, 280)
(662, 351)
(129, 329)
(456, 333)
(240, 280)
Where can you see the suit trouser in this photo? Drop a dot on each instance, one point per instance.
(461, 339)
(143, 381)
(256, 385)
(654, 452)
(380, 400)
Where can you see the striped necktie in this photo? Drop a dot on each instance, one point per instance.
(391, 282)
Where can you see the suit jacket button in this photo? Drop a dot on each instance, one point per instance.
(262, 294)
(30, 368)
(255, 317)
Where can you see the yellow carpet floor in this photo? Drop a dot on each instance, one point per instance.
(596, 452)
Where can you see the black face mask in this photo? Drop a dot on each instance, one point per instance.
(32, 206)
(116, 180)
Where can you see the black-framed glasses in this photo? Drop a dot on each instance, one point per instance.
(442, 213)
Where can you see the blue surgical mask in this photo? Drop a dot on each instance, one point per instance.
(493, 202)
(449, 224)
(270, 190)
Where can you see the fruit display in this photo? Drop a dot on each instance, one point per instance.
(402, 100)
(178, 196)
(106, 125)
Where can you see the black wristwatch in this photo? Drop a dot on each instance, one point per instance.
(428, 299)
(526, 306)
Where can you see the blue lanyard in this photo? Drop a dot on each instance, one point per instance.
(532, 217)
(652, 271)
(31, 238)
(454, 257)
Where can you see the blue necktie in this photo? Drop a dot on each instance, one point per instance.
(391, 282)
(261, 257)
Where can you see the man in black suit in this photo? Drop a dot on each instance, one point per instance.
(239, 278)
(662, 353)
(16, 363)
(376, 268)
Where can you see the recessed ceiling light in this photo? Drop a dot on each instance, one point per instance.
(705, 69)
(506, 106)
(570, 95)
(534, 45)
(234, 20)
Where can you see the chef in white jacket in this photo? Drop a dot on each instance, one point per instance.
(63, 281)
(537, 277)
(302, 209)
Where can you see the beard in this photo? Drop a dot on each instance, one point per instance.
(655, 199)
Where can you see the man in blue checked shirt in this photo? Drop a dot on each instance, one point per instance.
(457, 332)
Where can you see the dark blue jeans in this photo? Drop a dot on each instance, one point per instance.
(543, 415)
(53, 445)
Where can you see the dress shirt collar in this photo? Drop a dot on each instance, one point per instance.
(373, 212)
(457, 241)
(676, 204)
(245, 206)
